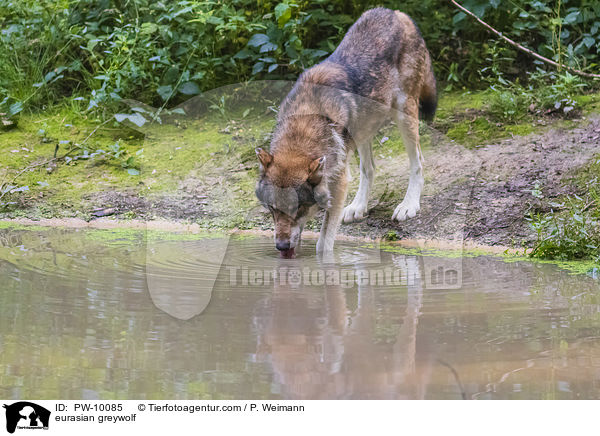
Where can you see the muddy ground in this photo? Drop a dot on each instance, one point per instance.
(206, 176)
(484, 194)
(481, 195)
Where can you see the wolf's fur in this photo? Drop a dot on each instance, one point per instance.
(380, 71)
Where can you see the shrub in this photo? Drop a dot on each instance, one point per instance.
(572, 230)
(93, 53)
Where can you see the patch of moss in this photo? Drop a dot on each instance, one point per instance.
(167, 156)
(589, 172)
(432, 252)
(519, 129)
(475, 132)
(481, 131)
(573, 267)
(589, 102)
(61, 186)
(450, 103)
(467, 119)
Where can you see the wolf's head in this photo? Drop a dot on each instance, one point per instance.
(292, 188)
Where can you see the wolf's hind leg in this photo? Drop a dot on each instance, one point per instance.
(357, 210)
(408, 122)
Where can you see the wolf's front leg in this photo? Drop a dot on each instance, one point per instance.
(408, 122)
(333, 216)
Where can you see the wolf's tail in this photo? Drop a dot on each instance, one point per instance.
(428, 95)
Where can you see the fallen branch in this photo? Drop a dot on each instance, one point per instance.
(587, 206)
(524, 49)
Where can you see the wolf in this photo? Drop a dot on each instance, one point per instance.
(381, 71)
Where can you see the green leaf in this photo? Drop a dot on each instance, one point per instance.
(267, 47)
(258, 39)
(133, 172)
(258, 67)
(148, 28)
(189, 88)
(15, 108)
(588, 41)
(165, 91)
(458, 17)
(316, 53)
(571, 18)
(137, 119)
(48, 77)
(242, 54)
(283, 13)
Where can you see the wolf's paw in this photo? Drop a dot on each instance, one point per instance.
(405, 211)
(324, 245)
(354, 212)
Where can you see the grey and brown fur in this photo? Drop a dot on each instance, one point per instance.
(381, 71)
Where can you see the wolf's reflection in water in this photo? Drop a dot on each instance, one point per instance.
(323, 346)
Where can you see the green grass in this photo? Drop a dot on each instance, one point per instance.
(168, 157)
(63, 189)
(477, 118)
(468, 119)
(571, 230)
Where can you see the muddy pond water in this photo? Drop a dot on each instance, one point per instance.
(104, 314)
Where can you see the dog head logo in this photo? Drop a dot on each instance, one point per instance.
(26, 415)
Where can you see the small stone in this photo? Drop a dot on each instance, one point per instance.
(104, 212)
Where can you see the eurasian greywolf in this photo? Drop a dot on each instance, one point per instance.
(381, 71)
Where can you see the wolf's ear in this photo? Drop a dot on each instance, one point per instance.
(264, 157)
(315, 171)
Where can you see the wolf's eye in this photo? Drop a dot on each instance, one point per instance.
(305, 194)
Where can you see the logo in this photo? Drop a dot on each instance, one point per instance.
(26, 415)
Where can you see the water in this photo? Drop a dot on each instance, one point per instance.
(97, 314)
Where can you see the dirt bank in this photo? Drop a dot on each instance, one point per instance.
(483, 194)
(201, 177)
